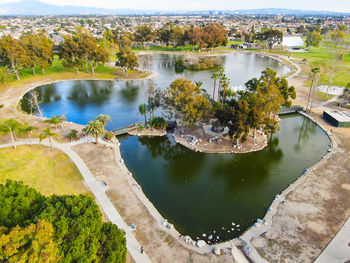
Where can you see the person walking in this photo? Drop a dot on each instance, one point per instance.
(141, 250)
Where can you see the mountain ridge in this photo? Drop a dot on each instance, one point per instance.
(36, 7)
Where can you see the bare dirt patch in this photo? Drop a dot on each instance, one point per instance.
(313, 213)
(159, 246)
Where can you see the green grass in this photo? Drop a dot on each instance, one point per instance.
(323, 96)
(50, 172)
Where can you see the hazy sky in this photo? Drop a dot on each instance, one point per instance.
(329, 5)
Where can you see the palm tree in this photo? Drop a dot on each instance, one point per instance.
(27, 129)
(314, 72)
(47, 133)
(95, 129)
(10, 126)
(215, 77)
(103, 119)
(199, 83)
(143, 110)
(55, 120)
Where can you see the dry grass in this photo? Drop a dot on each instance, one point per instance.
(50, 172)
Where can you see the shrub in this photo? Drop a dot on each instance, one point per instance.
(73, 135)
(158, 123)
(109, 136)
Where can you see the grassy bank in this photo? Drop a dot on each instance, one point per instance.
(58, 72)
(50, 172)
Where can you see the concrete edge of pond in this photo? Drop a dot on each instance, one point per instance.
(256, 230)
(262, 225)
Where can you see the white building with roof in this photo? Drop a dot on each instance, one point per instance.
(293, 42)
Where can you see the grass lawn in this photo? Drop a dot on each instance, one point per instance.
(50, 172)
(323, 96)
(58, 72)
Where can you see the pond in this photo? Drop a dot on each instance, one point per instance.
(199, 193)
(204, 193)
(82, 101)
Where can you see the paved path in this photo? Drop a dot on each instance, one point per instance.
(98, 189)
(338, 250)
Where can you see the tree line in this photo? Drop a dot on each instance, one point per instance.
(68, 228)
(256, 107)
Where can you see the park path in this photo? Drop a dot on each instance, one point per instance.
(99, 190)
(338, 250)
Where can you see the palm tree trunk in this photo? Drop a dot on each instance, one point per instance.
(214, 89)
(13, 140)
(96, 139)
(30, 140)
(50, 142)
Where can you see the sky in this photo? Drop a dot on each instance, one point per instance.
(328, 5)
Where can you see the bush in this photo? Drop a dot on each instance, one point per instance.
(109, 136)
(73, 135)
(158, 123)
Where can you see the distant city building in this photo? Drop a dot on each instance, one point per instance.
(293, 42)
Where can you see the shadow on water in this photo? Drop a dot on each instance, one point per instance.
(204, 193)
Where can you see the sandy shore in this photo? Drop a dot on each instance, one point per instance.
(220, 145)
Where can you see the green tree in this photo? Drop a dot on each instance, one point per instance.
(5, 75)
(215, 35)
(112, 242)
(270, 36)
(313, 39)
(143, 111)
(10, 126)
(55, 121)
(95, 129)
(185, 100)
(34, 243)
(143, 33)
(39, 51)
(47, 133)
(27, 130)
(70, 52)
(18, 204)
(103, 119)
(12, 54)
(127, 60)
(314, 72)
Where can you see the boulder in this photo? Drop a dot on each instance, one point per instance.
(201, 243)
(217, 251)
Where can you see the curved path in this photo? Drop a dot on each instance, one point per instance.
(98, 189)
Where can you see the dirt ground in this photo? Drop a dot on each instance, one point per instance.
(313, 213)
(223, 146)
(159, 246)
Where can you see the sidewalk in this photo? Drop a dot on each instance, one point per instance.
(98, 189)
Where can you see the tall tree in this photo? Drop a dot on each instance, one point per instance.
(10, 126)
(103, 119)
(55, 121)
(33, 243)
(95, 129)
(71, 54)
(12, 54)
(313, 39)
(27, 130)
(126, 59)
(143, 111)
(215, 35)
(143, 33)
(186, 101)
(47, 133)
(314, 73)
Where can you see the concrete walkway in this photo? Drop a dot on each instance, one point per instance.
(98, 189)
(338, 250)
